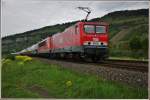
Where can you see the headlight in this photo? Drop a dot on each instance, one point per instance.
(95, 43)
(105, 43)
(85, 43)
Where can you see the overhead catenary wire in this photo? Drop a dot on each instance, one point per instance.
(87, 10)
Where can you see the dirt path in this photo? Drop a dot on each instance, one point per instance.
(39, 90)
(119, 36)
(133, 78)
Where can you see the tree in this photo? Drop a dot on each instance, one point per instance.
(135, 43)
(145, 45)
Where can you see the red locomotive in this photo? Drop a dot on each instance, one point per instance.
(84, 39)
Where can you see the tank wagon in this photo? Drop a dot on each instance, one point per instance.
(84, 39)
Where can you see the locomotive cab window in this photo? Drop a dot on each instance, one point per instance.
(42, 43)
(76, 29)
(100, 29)
(89, 28)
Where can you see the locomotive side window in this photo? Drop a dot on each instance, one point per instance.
(42, 43)
(89, 28)
(76, 29)
(100, 29)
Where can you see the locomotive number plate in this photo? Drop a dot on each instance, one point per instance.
(95, 39)
(95, 43)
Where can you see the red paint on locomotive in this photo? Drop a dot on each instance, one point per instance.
(45, 46)
(93, 36)
(84, 38)
(67, 38)
(76, 36)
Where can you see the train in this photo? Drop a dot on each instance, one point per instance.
(83, 39)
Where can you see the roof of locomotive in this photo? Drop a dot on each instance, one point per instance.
(99, 23)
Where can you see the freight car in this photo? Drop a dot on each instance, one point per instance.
(84, 39)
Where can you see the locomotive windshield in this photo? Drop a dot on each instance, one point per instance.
(89, 28)
(100, 29)
(94, 29)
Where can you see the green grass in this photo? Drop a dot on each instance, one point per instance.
(17, 78)
(121, 54)
(127, 58)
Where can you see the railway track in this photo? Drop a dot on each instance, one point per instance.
(141, 66)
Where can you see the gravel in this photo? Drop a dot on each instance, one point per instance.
(133, 78)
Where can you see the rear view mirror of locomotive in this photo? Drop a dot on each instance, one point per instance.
(84, 39)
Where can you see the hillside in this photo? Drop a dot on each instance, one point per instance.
(125, 26)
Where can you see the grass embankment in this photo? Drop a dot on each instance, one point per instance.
(34, 79)
(127, 58)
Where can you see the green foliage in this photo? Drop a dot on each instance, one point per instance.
(135, 43)
(145, 46)
(139, 46)
(144, 43)
(140, 55)
(136, 27)
(140, 30)
(113, 30)
(60, 83)
(10, 56)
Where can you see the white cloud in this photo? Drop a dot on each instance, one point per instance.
(23, 15)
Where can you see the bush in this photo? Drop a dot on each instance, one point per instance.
(120, 53)
(6, 62)
(145, 44)
(23, 58)
(135, 43)
(10, 56)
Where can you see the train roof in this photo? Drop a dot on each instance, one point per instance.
(100, 22)
(44, 39)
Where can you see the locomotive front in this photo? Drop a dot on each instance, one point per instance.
(94, 38)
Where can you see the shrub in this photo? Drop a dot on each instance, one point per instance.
(135, 43)
(10, 56)
(6, 61)
(23, 58)
(68, 83)
(145, 44)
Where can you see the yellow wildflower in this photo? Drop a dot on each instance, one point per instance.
(20, 63)
(23, 58)
(19, 57)
(27, 59)
(6, 61)
(68, 83)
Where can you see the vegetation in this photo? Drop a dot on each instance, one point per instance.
(124, 25)
(33, 79)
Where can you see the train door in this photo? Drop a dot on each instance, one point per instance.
(76, 36)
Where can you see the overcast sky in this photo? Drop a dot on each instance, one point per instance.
(24, 15)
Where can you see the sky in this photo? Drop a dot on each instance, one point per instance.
(18, 16)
